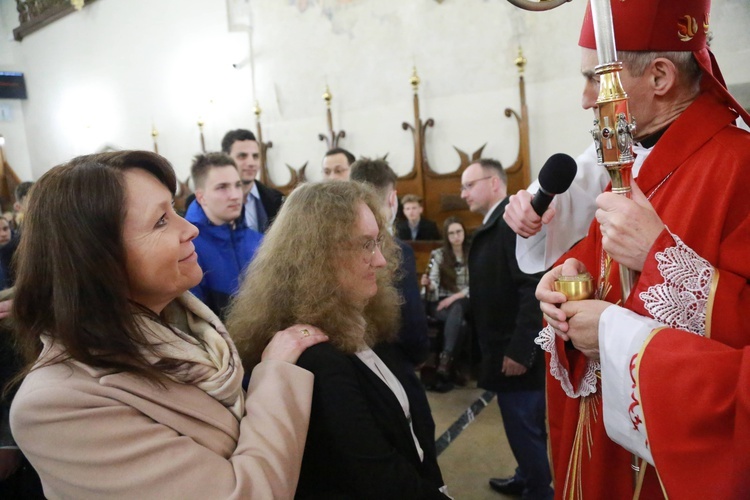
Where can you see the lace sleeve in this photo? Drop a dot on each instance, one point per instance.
(680, 301)
(547, 340)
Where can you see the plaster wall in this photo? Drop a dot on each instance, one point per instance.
(104, 76)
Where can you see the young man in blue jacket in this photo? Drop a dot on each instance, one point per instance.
(225, 245)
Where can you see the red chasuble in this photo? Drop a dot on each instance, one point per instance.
(695, 400)
(698, 179)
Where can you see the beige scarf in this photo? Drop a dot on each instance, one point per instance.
(207, 356)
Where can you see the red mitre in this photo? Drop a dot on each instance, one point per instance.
(665, 25)
(654, 25)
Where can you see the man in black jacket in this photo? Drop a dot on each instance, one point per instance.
(415, 227)
(507, 318)
(262, 203)
(412, 337)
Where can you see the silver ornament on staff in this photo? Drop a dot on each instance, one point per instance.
(613, 126)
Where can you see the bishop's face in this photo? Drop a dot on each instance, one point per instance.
(638, 88)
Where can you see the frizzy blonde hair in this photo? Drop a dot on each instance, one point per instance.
(294, 276)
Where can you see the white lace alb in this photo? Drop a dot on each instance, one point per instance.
(681, 300)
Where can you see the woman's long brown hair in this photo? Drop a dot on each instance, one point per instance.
(448, 267)
(294, 276)
(72, 284)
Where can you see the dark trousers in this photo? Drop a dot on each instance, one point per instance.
(523, 417)
(453, 319)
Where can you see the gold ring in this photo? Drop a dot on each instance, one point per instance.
(305, 333)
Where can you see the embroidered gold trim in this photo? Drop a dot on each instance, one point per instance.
(710, 302)
(661, 484)
(549, 439)
(644, 464)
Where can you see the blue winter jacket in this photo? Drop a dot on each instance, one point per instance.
(223, 254)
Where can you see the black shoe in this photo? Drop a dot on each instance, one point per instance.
(443, 387)
(444, 365)
(507, 485)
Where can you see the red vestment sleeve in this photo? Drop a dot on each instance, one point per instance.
(695, 397)
(727, 295)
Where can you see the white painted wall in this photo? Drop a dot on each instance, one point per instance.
(12, 125)
(104, 75)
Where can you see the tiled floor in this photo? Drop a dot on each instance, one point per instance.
(481, 451)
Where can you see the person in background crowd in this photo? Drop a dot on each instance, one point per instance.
(8, 251)
(261, 202)
(412, 335)
(5, 231)
(415, 227)
(507, 319)
(10, 218)
(225, 245)
(337, 164)
(447, 291)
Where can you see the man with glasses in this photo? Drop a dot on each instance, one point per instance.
(507, 319)
(412, 337)
(337, 164)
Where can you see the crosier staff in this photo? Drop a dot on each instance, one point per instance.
(613, 126)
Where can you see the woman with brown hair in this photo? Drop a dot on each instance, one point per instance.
(329, 261)
(134, 387)
(446, 290)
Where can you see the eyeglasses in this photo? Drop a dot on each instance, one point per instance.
(470, 185)
(368, 248)
(336, 171)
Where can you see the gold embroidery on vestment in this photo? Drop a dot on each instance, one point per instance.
(710, 302)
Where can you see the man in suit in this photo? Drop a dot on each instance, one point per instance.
(262, 203)
(416, 227)
(507, 318)
(412, 338)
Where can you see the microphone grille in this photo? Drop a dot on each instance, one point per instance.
(558, 173)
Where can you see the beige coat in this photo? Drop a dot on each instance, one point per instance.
(90, 434)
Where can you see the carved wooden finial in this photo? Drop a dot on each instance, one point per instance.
(520, 61)
(414, 80)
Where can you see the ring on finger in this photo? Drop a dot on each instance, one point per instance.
(305, 332)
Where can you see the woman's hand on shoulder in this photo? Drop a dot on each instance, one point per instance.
(5, 308)
(287, 345)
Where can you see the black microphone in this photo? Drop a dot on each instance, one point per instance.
(556, 176)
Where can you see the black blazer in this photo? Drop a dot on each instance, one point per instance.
(426, 230)
(271, 200)
(359, 445)
(505, 310)
(412, 336)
